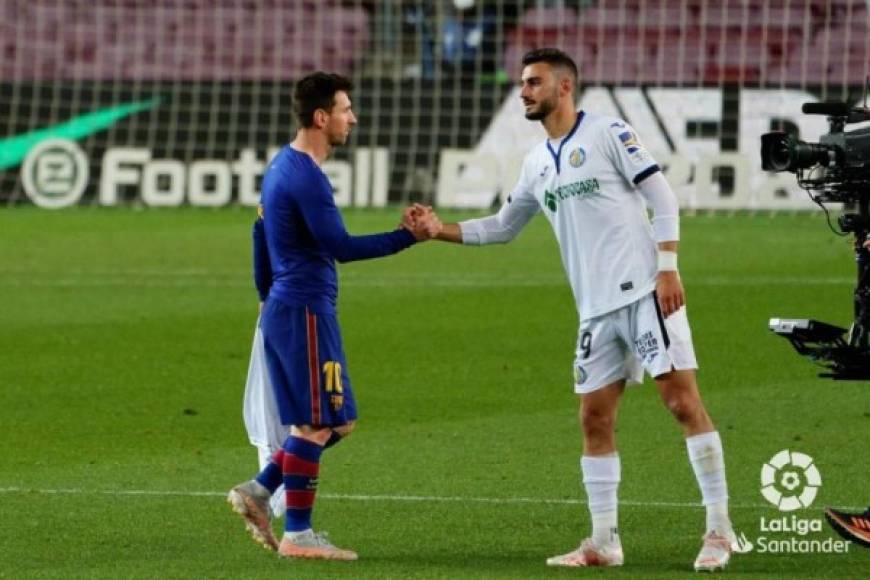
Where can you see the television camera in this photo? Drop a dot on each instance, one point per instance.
(834, 170)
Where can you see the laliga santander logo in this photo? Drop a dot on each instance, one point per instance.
(790, 480)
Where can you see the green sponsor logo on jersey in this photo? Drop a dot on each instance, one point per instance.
(582, 189)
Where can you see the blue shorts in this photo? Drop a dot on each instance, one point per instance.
(307, 366)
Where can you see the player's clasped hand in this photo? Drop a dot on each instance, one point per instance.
(669, 289)
(422, 221)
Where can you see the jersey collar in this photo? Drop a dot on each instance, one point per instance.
(557, 155)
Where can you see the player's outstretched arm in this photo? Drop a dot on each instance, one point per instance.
(450, 233)
(324, 221)
(498, 228)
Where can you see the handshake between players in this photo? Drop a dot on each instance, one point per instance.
(422, 221)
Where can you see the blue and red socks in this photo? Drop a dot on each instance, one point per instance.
(296, 465)
(273, 474)
(300, 467)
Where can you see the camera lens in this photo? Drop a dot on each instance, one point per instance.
(782, 152)
(808, 154)
(776, 151)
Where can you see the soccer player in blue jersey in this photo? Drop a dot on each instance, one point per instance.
(304, 236)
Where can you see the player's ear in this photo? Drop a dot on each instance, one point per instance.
(566, 84)
(321, 118)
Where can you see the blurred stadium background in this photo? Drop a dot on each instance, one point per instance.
(173, 102)
(125, 332)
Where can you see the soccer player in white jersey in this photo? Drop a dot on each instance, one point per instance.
(593, 180)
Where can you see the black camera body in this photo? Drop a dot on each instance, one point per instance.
(841, 158)
(836, 169)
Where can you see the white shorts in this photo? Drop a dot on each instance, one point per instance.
(623, 343)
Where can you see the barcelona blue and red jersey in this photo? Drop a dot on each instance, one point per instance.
(305, 234)
(297, 241)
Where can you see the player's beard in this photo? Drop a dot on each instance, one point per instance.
(338, 139)
(545, 107)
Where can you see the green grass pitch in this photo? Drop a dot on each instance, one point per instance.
(124, 344)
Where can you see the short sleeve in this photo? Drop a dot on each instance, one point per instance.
(623, 148)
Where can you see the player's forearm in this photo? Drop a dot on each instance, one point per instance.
(666, 208)
(354, 248)
(326, 226)
(450, 233)
(499, 228)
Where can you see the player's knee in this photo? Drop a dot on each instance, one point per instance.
(683, 407)
(596, 422)
(346, 429)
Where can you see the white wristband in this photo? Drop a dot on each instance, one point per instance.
(667, 261)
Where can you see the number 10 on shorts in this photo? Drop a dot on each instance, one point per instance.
(332, 380)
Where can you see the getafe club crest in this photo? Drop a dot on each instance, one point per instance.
(577, 157)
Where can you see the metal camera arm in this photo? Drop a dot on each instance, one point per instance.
(845, 353)
(860, 225)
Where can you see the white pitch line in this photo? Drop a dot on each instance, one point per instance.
(386, 498)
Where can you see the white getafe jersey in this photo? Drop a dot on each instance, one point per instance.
(585, 185)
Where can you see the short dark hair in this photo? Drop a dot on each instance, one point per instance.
(317, 91)
(553, 57)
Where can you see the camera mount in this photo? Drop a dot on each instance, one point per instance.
(845, 353)
(844, 159)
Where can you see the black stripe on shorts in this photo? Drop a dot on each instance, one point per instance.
(661, 320)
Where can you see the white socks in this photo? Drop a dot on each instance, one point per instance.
(708, 462)
(292, 536)
(601, 476)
